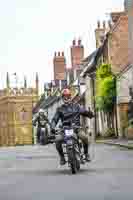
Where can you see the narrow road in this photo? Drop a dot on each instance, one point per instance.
(33, 173)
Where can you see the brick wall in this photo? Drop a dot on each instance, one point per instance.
(77, 54)
(130, 22)
(118, 44)
(59, 66)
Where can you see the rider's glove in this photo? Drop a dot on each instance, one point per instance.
(53, 131)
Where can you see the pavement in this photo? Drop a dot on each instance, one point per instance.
(117, 142)
(33, 173)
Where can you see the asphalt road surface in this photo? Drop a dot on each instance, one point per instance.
(33, 173)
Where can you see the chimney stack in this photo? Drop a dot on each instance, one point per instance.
(59, 63)
(100, 33)
(79, 42)
(74, 42)
(98, 24)
(77, 53)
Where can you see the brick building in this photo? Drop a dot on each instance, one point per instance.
(114, 42)
(118, 51)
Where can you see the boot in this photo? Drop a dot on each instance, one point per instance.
(61, 153)
(62, 160)
(87, 156)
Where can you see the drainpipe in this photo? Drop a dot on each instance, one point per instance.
(60, 85)
(79, 90)
(116, 114)
(94, 104)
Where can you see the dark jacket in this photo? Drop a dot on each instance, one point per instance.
(41, 120)
(69, 114)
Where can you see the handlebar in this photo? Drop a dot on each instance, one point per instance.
(58, 131)
(66, 127)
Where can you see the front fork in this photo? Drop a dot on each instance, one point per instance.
(72, 151)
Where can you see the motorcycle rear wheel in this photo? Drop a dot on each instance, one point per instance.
(44, 140)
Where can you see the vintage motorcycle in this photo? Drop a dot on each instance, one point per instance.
(43, 132)
(72, 147)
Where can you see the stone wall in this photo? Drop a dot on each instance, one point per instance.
(123, 119)
(16, 120)
(123, 84)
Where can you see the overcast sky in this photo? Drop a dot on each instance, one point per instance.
(32, 30)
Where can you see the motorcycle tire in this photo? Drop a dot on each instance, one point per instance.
(44, 140)
(78, 164)
(73, 161)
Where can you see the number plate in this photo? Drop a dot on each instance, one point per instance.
(69, 142)
(69, 133)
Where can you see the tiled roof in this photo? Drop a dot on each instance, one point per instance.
(90, 65)
(46, 102)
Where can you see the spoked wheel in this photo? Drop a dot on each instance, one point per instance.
(45, 140)
(74, 163)
(74, 167)
(78, 165)
(78, 160)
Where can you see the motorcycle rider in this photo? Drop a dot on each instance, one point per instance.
(42, 121)
(68, 113)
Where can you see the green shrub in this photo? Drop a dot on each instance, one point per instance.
(105, 88)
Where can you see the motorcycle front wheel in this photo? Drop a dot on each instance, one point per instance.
(74, 162)
(44, 138)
